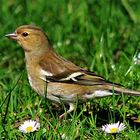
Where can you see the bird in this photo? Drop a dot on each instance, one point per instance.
(57, 79)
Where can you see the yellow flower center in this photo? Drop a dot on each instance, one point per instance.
(29, 129)
(113, 130)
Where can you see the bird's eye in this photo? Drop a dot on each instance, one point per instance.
(25, 34)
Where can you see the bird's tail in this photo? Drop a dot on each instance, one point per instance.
(116, 89)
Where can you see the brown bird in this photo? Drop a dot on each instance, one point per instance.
(57, 79)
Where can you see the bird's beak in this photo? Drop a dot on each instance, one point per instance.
(12, 36)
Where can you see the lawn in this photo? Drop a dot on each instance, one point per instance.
(100, 36)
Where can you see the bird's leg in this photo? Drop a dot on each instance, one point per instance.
(71, 108)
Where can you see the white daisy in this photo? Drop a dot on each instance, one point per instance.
(113, 127)
(29, 126)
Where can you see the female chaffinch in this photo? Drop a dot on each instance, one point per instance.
(56, 78)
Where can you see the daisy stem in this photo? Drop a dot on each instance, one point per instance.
(114, 136)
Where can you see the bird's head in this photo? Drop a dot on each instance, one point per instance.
(31, 38)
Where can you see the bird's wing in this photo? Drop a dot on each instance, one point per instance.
(81, 77)
(57, 69)
(87, 78)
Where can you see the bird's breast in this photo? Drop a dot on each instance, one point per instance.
(37, 84)
(35, 81)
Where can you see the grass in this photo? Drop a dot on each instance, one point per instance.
(102, 36)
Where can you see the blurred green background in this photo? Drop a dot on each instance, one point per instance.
(99, 35)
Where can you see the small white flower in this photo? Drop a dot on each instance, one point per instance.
(67, 42)
(113, 127)
(59, 44)
(64, 137)
(136, 59)
(29, 126)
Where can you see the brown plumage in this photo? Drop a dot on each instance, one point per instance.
(60, 80)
